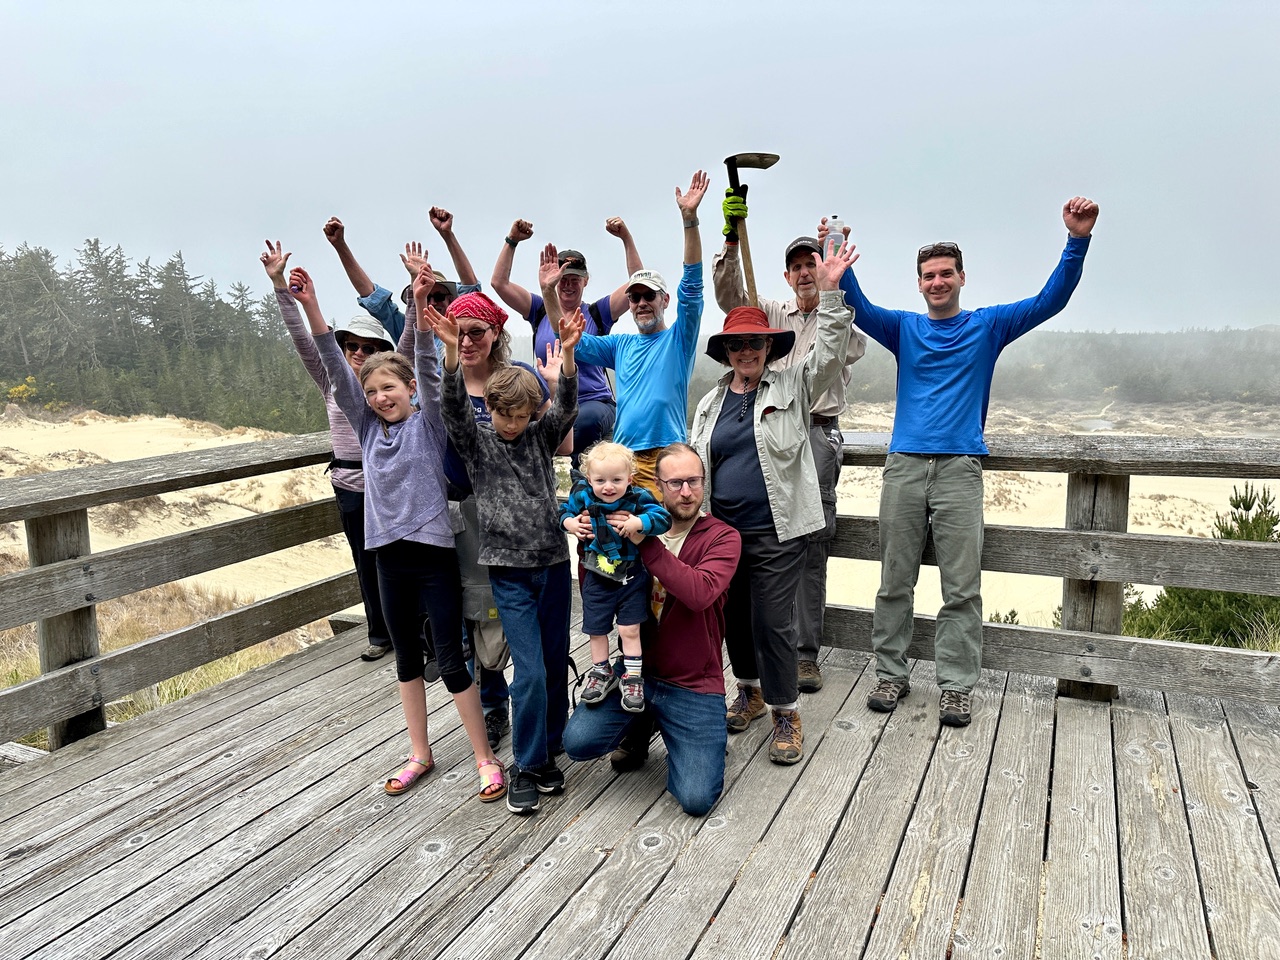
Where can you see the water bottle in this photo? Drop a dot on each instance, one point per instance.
(836, 226)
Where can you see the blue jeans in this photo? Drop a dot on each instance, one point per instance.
(533, 603)
(692, 727)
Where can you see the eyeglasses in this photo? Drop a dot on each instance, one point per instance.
(475, 335)
(648, 296)
(675, 486)
(440, 297)
(734, 344)
(368, 349)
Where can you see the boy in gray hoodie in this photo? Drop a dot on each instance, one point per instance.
(510, 464)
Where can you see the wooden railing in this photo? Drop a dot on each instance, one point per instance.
(1093, 555)
(67, 579)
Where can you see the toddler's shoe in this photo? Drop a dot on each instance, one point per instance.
(633, 694)
(597, 685)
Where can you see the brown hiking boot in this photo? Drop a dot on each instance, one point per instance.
(808, 677)
(787, 745)
(886, 694)
(747, 706)
(954, 710)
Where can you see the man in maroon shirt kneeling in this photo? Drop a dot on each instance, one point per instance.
(692, 564)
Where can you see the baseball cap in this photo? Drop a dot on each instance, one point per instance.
(802, 243)
(647, 278)
(574, 263)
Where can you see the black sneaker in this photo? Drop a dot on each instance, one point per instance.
(496, 725)
(548, 778)
(522, 793)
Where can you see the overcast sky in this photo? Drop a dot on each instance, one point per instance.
(205, 128)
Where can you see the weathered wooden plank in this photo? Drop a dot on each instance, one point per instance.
(86, 760)
(1236, 875)
(839, 907)
(1002, 891)
(187, 839)
(177, 913)
(60, 491)
(714, 874)
(1082, 873)
(91, 578)
(919, 906)
(1094, 502)
(92, 683)
(1163, 913)
(1127, 661)
(1255, 731)
(1238, 565)
(1243, 458)
(64, 638)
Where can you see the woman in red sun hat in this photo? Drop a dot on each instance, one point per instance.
(752, 430)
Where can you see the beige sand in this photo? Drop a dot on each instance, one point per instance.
(1158, 505)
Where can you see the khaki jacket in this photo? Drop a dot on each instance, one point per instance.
(781, 420)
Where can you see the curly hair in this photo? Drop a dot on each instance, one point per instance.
(606, 451)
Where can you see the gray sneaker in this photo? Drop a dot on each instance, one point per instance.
(375, 651)
(954, 709)
(632, 694)
(886, 695)
(598, 684)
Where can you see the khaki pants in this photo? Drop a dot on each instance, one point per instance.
(942, 494)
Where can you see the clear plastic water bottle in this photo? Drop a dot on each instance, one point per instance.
(836, 226)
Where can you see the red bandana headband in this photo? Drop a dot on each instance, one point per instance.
(478, 307)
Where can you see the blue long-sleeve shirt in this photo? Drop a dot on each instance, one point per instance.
(945, 366)
(653, 371)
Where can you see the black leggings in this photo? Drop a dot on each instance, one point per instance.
(417, 581)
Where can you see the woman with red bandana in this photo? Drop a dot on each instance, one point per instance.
(752, 431)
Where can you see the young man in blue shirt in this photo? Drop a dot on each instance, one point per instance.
(933, 474)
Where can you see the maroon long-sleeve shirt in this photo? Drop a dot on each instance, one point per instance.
(685, 648)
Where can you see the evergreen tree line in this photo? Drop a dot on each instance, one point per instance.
(123, 338)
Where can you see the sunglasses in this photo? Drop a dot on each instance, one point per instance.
(734, 344)
(675, 486)
(440, 297)
(944, 249)
(648, 296)
(368, 349)
(476, 335)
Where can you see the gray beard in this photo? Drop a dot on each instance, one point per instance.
(652, 324)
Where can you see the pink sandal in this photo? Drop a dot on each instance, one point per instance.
(407, 777)
(493, 783)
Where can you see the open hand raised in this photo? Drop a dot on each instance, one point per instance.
(414, 258)
(571, 328)
(688, 202)
(832, 267)
(549, 268)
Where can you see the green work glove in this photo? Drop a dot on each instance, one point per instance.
(735, 208)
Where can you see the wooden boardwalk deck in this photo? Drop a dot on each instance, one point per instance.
(249, 821)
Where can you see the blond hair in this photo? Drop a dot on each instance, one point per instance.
(512, 388)
(606, 451)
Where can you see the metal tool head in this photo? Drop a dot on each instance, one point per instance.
(752, 161)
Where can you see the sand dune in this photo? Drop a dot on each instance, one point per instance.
(1157, 505)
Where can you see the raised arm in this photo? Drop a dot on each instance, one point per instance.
(442, 220)
(549, 273)
(274, 262)
(835, 320)
(512, 294)
(336, 234)
(618, 299)
(688, 204)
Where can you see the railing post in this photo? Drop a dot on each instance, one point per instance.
(1094, 502)
(68, 637)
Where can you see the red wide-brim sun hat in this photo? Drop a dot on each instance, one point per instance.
(749, 322)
